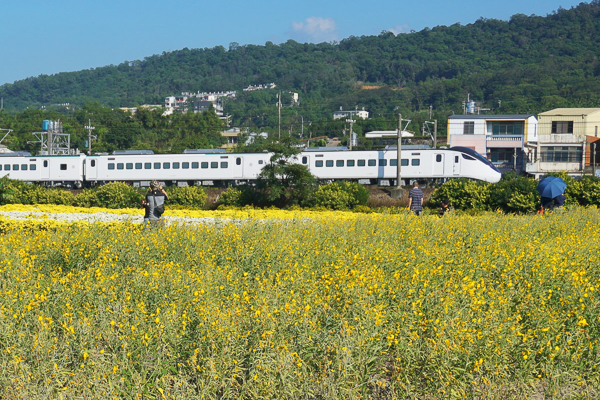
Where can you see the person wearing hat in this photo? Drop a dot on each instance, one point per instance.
(154, 203)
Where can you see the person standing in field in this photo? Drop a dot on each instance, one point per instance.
(415, 199)
(155, 198)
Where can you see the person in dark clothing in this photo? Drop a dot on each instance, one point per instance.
(155, 198)
(146, 206)
(415, 199)
(547, 205)
(559, 201)
(444, 207)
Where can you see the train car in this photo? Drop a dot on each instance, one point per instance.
(64, 170)
(381, 165)
(177, 169)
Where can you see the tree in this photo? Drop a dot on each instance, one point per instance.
(283, 181)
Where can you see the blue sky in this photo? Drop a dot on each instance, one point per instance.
(47, 37)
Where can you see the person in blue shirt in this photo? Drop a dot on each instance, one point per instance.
(415, 199)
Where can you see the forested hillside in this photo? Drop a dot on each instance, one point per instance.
(526, 64)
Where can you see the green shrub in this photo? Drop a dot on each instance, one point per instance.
(41, 195)
(189, 196)
(584, 191)
(463, 194)
(514, 194)
(232, 197)
(340, 196)
(111, 195)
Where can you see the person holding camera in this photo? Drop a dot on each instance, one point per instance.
(154, 203)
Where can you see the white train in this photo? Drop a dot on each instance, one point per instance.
(367, 167)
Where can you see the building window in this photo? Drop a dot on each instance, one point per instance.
(507, 128)
(469, 128)
(561, 153)
(562, 126)
(503, 155)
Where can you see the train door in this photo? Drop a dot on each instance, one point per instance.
(238, 167)
(456, 165)
(91, 169)
(45, 169)
(438, 164)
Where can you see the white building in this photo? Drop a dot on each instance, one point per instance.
(349, 114)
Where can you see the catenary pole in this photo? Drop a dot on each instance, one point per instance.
(399, 153)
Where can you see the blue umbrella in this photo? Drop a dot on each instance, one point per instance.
(551, 187)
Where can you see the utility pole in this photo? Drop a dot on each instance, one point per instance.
(435, 133)
(351, 121)
(90, 128)
(399, 153)
(279, 106)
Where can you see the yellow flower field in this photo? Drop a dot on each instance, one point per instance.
(302, 305)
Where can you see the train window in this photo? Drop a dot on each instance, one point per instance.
(138, 165)
(260, 162)
(467, 157)
(204, 164)
(156, 165)
(166, 165)
(224, 164)
(455, 159)
(382, 163)
(45, 163)
(329, 163)
(15, 167)
(319, 163)
(438, 158)
(372, 163)
(393, 162)
(404, 162)
(147, 165)
(175, 165)
(32, 167)
(415, 162)
(238, 161)
(23, 167)
(195, 165)
(111, 165)
(0, 167)
(305, 160)
(350, 163)
(339, 163)
(6, 167)
(185, 165)
(63, 167)
(120, 165)
(129, 165)
(214, 164)
(361, 163)
(93, 163)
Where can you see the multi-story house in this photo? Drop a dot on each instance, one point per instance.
(499, 138)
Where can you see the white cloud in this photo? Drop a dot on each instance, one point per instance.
(315, 29)
(400, 29)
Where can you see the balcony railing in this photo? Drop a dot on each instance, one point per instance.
(500, 138)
